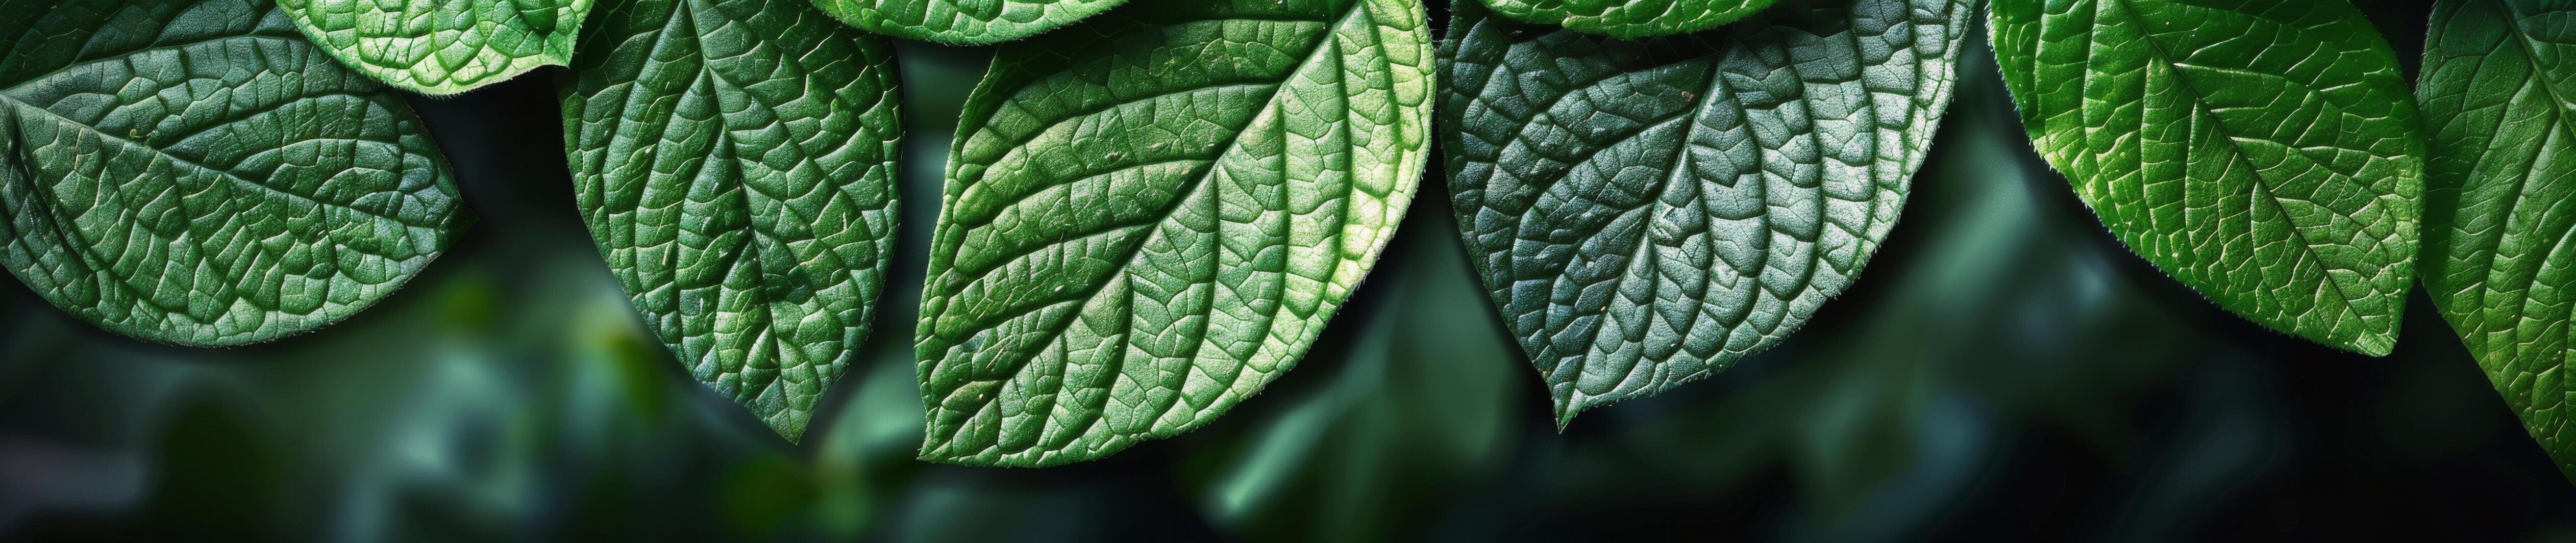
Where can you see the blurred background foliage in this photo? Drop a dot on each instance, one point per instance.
(2004, 369)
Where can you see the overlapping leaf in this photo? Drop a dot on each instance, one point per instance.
(1645, 214)
(2264, 152)
(735, 162)
(1628, 18)
(194, 172)
(963, 22)
(2498, 186)
(1150, 216)
(440, 47)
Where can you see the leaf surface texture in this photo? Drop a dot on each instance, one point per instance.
(735, 162)
(1645, 213)
(1628, 18)
(1151, 215)
(442, 47)
(2500, 197)
(963, 22)
(196, 173)
(2264, 152)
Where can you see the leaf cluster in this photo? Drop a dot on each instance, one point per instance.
(1154, 207)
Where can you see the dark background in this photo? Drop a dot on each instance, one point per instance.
(2005, 368)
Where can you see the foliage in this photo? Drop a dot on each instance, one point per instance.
(2496, 192)
(193, 172)
(1131, 243)
(1647, 213)
(441, 47)
(1629, 19)
(1152, 210)
(735, 161)
(2264, 152)
(963, 22)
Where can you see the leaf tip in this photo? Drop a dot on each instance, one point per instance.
(789, 425)
(2373, 343)
(937, 451)
(2377, 338)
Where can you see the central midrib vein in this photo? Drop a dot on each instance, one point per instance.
(2531, 57)
(2198, 102)
(1057, 329)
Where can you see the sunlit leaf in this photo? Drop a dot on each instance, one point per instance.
(1628, 18)
(1150, 216)
(2264, 152)
(440, 47)
(964, 22)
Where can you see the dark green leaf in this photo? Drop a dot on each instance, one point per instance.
(964, 22)
(2264, 152)
(735, 161)
(196, 173)
(1150, 216)
(1646, 213)
(2497, 187)
(441, 47)
(1628, 18)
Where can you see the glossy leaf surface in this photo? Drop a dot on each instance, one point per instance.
(1629, 18)
(963, 22)
(441, 47)
(2264, 152)
(2497, 188)
(1151, 215)
(196, 173)
(735, 162)
(1644, 214)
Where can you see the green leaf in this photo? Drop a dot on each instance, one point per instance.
(1150, 216)
(963, 22)
(196, 173)
(1629, 19)
(735, 162)
(2264, 152)
(1646, 213)
(2495, 95)
(441, 47)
